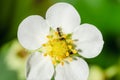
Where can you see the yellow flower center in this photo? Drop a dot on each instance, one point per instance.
(59, 46)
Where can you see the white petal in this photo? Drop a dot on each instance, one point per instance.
(90, 40)
(39, 67)
(32, 32)
(75, 70)
(63, 15)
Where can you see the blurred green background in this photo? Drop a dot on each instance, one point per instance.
(105, 14)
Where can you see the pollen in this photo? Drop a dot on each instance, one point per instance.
(59, 47)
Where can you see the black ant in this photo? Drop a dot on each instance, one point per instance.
(60, 34)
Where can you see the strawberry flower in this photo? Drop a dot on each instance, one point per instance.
(57, 43)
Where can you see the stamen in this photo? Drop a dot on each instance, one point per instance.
(62, 63)
(74, 51)
(45, 54)
(51, 54)
(59, 47)
(48, 36)
(67, 54)
(56, 33)
(70, 41)
(69, 46)
(58, 58)
(44, 45)
(54, 62)
(64, 36)
(70, 59)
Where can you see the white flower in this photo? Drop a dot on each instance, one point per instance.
(57, 41)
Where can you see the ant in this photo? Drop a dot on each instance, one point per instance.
(60, 34)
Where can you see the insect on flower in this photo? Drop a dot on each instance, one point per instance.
(57, 43)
